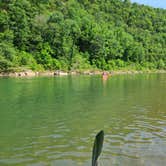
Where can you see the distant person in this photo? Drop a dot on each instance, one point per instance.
(105, 76)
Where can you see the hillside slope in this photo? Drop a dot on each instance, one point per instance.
(81, 34)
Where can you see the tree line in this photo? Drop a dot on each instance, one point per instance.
(81, 35)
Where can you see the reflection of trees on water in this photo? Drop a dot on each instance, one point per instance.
(55, 119)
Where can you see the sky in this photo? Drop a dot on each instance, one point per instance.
(153, 3)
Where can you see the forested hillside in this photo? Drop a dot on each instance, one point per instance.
(80, 35)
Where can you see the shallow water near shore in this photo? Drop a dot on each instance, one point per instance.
(53, 121)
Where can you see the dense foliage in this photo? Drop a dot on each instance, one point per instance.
(81, 34)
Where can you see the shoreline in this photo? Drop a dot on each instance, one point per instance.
(30, 73)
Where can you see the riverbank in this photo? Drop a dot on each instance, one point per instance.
(30, 73)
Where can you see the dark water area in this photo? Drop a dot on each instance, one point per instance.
(53, 121)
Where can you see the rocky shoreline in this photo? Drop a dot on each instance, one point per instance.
(30, 73)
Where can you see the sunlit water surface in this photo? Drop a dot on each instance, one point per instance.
(53, 121)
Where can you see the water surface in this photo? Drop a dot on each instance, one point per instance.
(53, 121)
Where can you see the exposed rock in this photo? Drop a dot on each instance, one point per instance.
(46, 73)
(74, 73)
(60, 73)
(97, 72)
(30, 73)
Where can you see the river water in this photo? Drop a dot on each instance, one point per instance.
(53, 121)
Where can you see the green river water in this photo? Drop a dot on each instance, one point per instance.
(53, 121)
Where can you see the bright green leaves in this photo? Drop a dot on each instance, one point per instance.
(67, 34)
